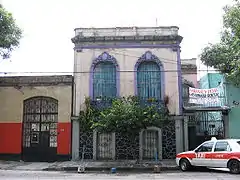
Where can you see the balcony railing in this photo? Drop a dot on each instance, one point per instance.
(101, 103)
(107, 102)
(149, 102)
(222, 102)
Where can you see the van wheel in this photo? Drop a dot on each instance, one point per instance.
(184, 165)
(234, 166)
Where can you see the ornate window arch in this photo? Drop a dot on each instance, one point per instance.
(149, 77)
(104, 79)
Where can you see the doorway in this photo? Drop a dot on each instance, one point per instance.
(40, 117)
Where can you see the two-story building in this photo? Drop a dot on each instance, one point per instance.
(230, 98)
(117, 62)
(207, 117)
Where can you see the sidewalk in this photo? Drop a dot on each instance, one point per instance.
(90, 166)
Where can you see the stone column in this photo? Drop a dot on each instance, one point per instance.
(113, 146)
(225, 116)
(141, 145)
(179, 133)
(95, 145)
(75, 138)
(185, 125)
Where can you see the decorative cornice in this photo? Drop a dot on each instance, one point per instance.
(191, 66)
(153, 38)
(188, 69)
(80, 47)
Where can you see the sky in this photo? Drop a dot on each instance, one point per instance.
(48, 26)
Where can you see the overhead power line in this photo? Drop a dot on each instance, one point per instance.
(67, 72)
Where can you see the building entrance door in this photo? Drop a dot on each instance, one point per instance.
(40, 129)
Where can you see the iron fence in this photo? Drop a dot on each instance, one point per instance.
(208, 123)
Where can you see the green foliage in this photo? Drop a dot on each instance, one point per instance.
(126, 115)
(87, 117)
(10, 33)
(225, 56)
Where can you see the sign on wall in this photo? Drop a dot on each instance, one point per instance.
(203, 96)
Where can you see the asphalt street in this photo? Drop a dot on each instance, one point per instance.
(25, 175)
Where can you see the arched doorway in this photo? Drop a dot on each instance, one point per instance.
(40, 116)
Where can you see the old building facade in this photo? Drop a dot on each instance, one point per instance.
(35, 117)
(189, 71)
(189, 79)
(208, 119)
(117, 62)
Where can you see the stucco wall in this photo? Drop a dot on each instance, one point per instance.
(126, 59)
(234, 102)
(13, 92)
(192, 78)
(11, 100)
(189, 70)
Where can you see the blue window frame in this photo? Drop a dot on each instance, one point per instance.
(149, 80)
(104, 80)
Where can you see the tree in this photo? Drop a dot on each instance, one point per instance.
(225, 55)
(10, 33)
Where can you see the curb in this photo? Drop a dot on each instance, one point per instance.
(119, 169)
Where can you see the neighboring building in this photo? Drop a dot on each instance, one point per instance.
(35, 117)
(215, 80)
(189, 71)
(214, 119)
(189, 77)
(207, 120)
(233, 97)
(116, 62)
(230, 98)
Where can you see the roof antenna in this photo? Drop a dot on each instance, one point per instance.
(156, 22)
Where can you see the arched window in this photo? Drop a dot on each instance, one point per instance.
(149, 77)
(104, 80)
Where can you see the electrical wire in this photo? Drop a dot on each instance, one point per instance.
(162, 59)
(84, 72)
